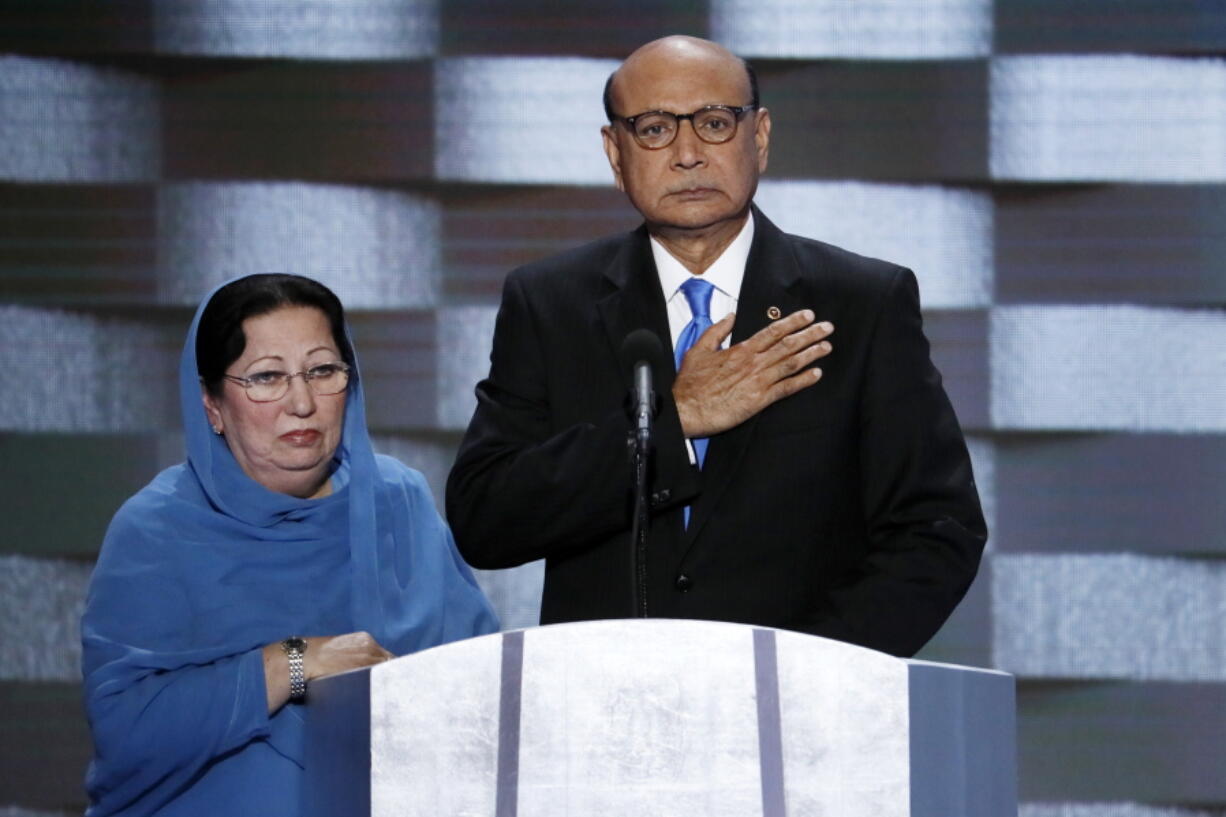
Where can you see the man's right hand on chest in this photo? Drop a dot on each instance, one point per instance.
(718, 389)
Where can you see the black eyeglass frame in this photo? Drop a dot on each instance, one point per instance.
(307, 378)
(736, 111)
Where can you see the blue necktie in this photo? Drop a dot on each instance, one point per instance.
(697, 293)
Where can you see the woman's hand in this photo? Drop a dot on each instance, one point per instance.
(325, 655)
(328, 655)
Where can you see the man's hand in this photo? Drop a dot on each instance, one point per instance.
(718, 389)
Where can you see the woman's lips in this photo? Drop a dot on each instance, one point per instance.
(305, 437)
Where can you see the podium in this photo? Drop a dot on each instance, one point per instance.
(661, 717)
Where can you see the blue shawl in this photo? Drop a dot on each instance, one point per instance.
(203, 567)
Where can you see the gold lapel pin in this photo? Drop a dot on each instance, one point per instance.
(773, 313)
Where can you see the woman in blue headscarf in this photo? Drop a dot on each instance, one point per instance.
(282, 550)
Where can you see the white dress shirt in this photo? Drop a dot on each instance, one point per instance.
(725, 273)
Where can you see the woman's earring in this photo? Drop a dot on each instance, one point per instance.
(217, 430)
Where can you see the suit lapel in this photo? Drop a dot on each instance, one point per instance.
(770, 275)
(635, 301)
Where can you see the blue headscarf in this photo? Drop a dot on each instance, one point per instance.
(205, 566)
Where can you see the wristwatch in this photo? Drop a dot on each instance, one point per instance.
(295, 648)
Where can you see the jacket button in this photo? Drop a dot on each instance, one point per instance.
(658, 498)
(684, 583)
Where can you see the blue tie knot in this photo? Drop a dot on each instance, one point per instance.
(697, 293)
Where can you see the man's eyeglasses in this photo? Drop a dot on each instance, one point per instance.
(714, 124)
(265, 387)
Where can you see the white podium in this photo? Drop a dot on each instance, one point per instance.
(650, 717)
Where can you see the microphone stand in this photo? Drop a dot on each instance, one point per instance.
(640, 441)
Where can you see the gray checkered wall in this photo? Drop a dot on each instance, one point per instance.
(1054, 171)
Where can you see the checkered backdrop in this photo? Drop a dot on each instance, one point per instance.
(1054, 171)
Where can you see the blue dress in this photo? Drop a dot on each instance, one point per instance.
(202, 568)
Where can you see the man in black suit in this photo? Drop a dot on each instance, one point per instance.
(837, 501)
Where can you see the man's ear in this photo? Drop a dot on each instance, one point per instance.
(212, 412)
(762, 137)
(612, 151)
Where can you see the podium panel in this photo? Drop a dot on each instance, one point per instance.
(661, 717)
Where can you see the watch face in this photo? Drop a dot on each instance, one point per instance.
(295, 644)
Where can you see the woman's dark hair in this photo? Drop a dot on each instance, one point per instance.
(219, 338)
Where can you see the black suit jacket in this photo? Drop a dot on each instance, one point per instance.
(847, 510)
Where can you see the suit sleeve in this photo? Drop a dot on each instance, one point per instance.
(522, 489)
(924, 525)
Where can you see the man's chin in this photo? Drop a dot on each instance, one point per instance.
(698, 220)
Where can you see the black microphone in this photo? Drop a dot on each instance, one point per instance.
(643, 351)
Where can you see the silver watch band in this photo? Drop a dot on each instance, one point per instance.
(295, 650)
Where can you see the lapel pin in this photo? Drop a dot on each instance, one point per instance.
(773, 313)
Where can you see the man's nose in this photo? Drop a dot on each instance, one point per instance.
(688, 149)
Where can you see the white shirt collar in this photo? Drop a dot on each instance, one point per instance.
(725, 273)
